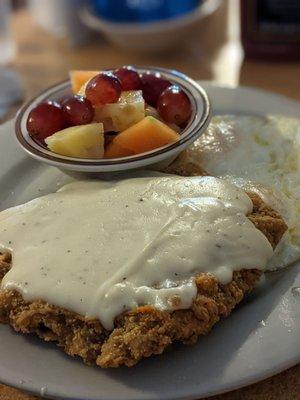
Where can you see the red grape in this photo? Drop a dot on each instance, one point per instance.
(78, 110)
(129, 78)
(104, 88)
(174, 106)
(153, 85)
(44, 120)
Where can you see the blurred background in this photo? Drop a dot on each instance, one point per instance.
(247, 42)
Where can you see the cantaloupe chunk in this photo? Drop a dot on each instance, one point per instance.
(79, 78)
(146, 135)
(116, 151)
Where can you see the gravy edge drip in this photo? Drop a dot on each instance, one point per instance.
(100, 248)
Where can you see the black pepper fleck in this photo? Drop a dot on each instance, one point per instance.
(68, 251)
(141, 199)
(218, 245)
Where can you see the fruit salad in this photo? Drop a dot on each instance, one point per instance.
(112, 114)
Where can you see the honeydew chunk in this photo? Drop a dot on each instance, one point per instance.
(82, 141)
(129, 109)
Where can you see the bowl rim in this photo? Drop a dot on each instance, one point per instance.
(96, 22)
(194, 128)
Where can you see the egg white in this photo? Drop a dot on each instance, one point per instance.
(261, 154)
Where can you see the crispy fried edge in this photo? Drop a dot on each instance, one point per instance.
(145, 331)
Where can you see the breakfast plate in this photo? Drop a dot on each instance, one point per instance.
(259, 339)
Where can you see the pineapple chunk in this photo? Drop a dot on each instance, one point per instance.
(119, 116)
(82, 141)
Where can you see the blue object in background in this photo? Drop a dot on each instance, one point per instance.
(142, 10)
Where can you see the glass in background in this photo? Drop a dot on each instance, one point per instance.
(61, 19)
(10, 84)
(7, 45)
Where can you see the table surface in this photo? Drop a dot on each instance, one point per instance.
(214, 54)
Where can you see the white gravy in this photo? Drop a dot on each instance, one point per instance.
(100, 248)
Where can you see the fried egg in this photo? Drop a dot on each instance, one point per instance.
(260, 154)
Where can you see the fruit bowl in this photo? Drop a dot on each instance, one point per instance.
(162, 156)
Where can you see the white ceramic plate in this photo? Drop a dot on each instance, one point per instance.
(260, 338)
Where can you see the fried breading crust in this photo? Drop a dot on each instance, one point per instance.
(183, 166)
(144, 331)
